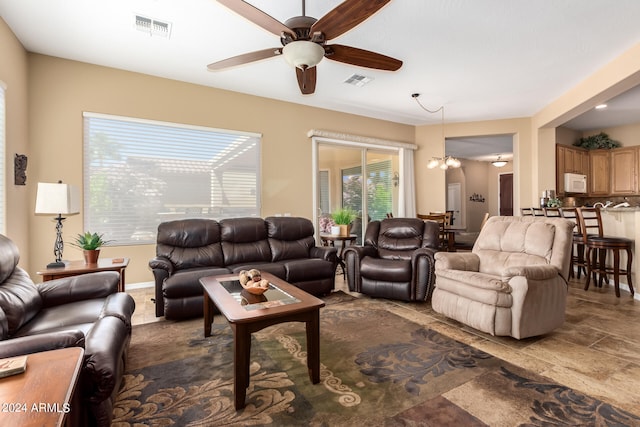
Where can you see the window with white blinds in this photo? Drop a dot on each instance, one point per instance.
(323, 179)
(139, 173)
(3, 161)
(378, 185)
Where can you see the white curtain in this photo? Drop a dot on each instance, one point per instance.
(407, 187)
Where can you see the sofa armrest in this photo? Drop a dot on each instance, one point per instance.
(105, 344)
(41, 342)
(161, 263)
(352, 256)
(533, 272)
(465, 261)
(78, 288)
(423, 270)
(120, 305)
(161, 268)
(326, 253)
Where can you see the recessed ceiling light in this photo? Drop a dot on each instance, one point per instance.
(358, 80)
(601, 106)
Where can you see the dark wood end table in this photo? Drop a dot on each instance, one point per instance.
(245, 320)
(75, 268)
(48, 383)
(331, 239)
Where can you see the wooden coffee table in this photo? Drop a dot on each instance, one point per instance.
(247, 313)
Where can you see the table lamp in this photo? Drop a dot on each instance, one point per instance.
(57, 199)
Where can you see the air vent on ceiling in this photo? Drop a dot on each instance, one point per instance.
(153, 27)
(358, 80)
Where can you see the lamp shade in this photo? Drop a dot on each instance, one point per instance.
(57, 198)
(303, 54)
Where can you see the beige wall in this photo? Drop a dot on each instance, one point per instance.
(60, 90)
(627, 135)
(14, 75)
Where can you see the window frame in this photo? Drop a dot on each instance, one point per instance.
(154, 162)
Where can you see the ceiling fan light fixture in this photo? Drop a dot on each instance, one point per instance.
(303, 54)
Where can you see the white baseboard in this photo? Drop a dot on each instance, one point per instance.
(140, 285)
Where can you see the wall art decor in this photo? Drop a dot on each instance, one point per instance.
(20, 169)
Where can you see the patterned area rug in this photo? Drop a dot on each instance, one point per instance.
(377, 369)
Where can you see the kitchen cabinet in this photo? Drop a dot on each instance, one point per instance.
(599, 178)
(570, 160)
(624, 171)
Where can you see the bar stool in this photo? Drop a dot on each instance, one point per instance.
(577, 251)
(537, 211)
(597, 246)
(526, 212)
(551, 212)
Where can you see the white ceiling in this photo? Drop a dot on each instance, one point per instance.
(480, 59)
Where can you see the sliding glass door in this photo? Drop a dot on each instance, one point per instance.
(362, 179)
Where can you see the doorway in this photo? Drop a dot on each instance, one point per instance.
(505, 194)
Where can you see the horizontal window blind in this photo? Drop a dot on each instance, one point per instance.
(139, 173)
(323, 179)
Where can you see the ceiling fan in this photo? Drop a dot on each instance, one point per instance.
(304, 39)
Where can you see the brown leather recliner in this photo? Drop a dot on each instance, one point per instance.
(396, 260)
(81, 311)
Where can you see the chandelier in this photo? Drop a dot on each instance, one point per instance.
(445, 162)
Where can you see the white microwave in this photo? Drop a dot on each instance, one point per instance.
(575, 183)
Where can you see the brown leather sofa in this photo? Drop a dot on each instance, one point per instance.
(190, 249)
(80, 311)
(396, 259)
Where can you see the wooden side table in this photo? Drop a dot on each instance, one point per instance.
(75, 268)
(330, 239)
(42, 395)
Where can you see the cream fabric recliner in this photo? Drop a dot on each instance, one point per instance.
(513, 282)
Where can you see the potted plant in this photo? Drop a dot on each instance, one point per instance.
(90, 243)
(343, 218)
(594, 142)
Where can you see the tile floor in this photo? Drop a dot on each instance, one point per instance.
(597, 351)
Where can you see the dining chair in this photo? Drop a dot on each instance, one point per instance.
(441, 219)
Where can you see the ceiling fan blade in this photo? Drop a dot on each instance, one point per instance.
(306, 80)
(258, 17)
(346, 16)
(361, 57)
(245, 58)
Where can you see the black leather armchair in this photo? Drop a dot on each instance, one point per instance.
(81, 311)
(396, 260)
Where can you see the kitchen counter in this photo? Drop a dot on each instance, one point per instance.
(625, 222)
